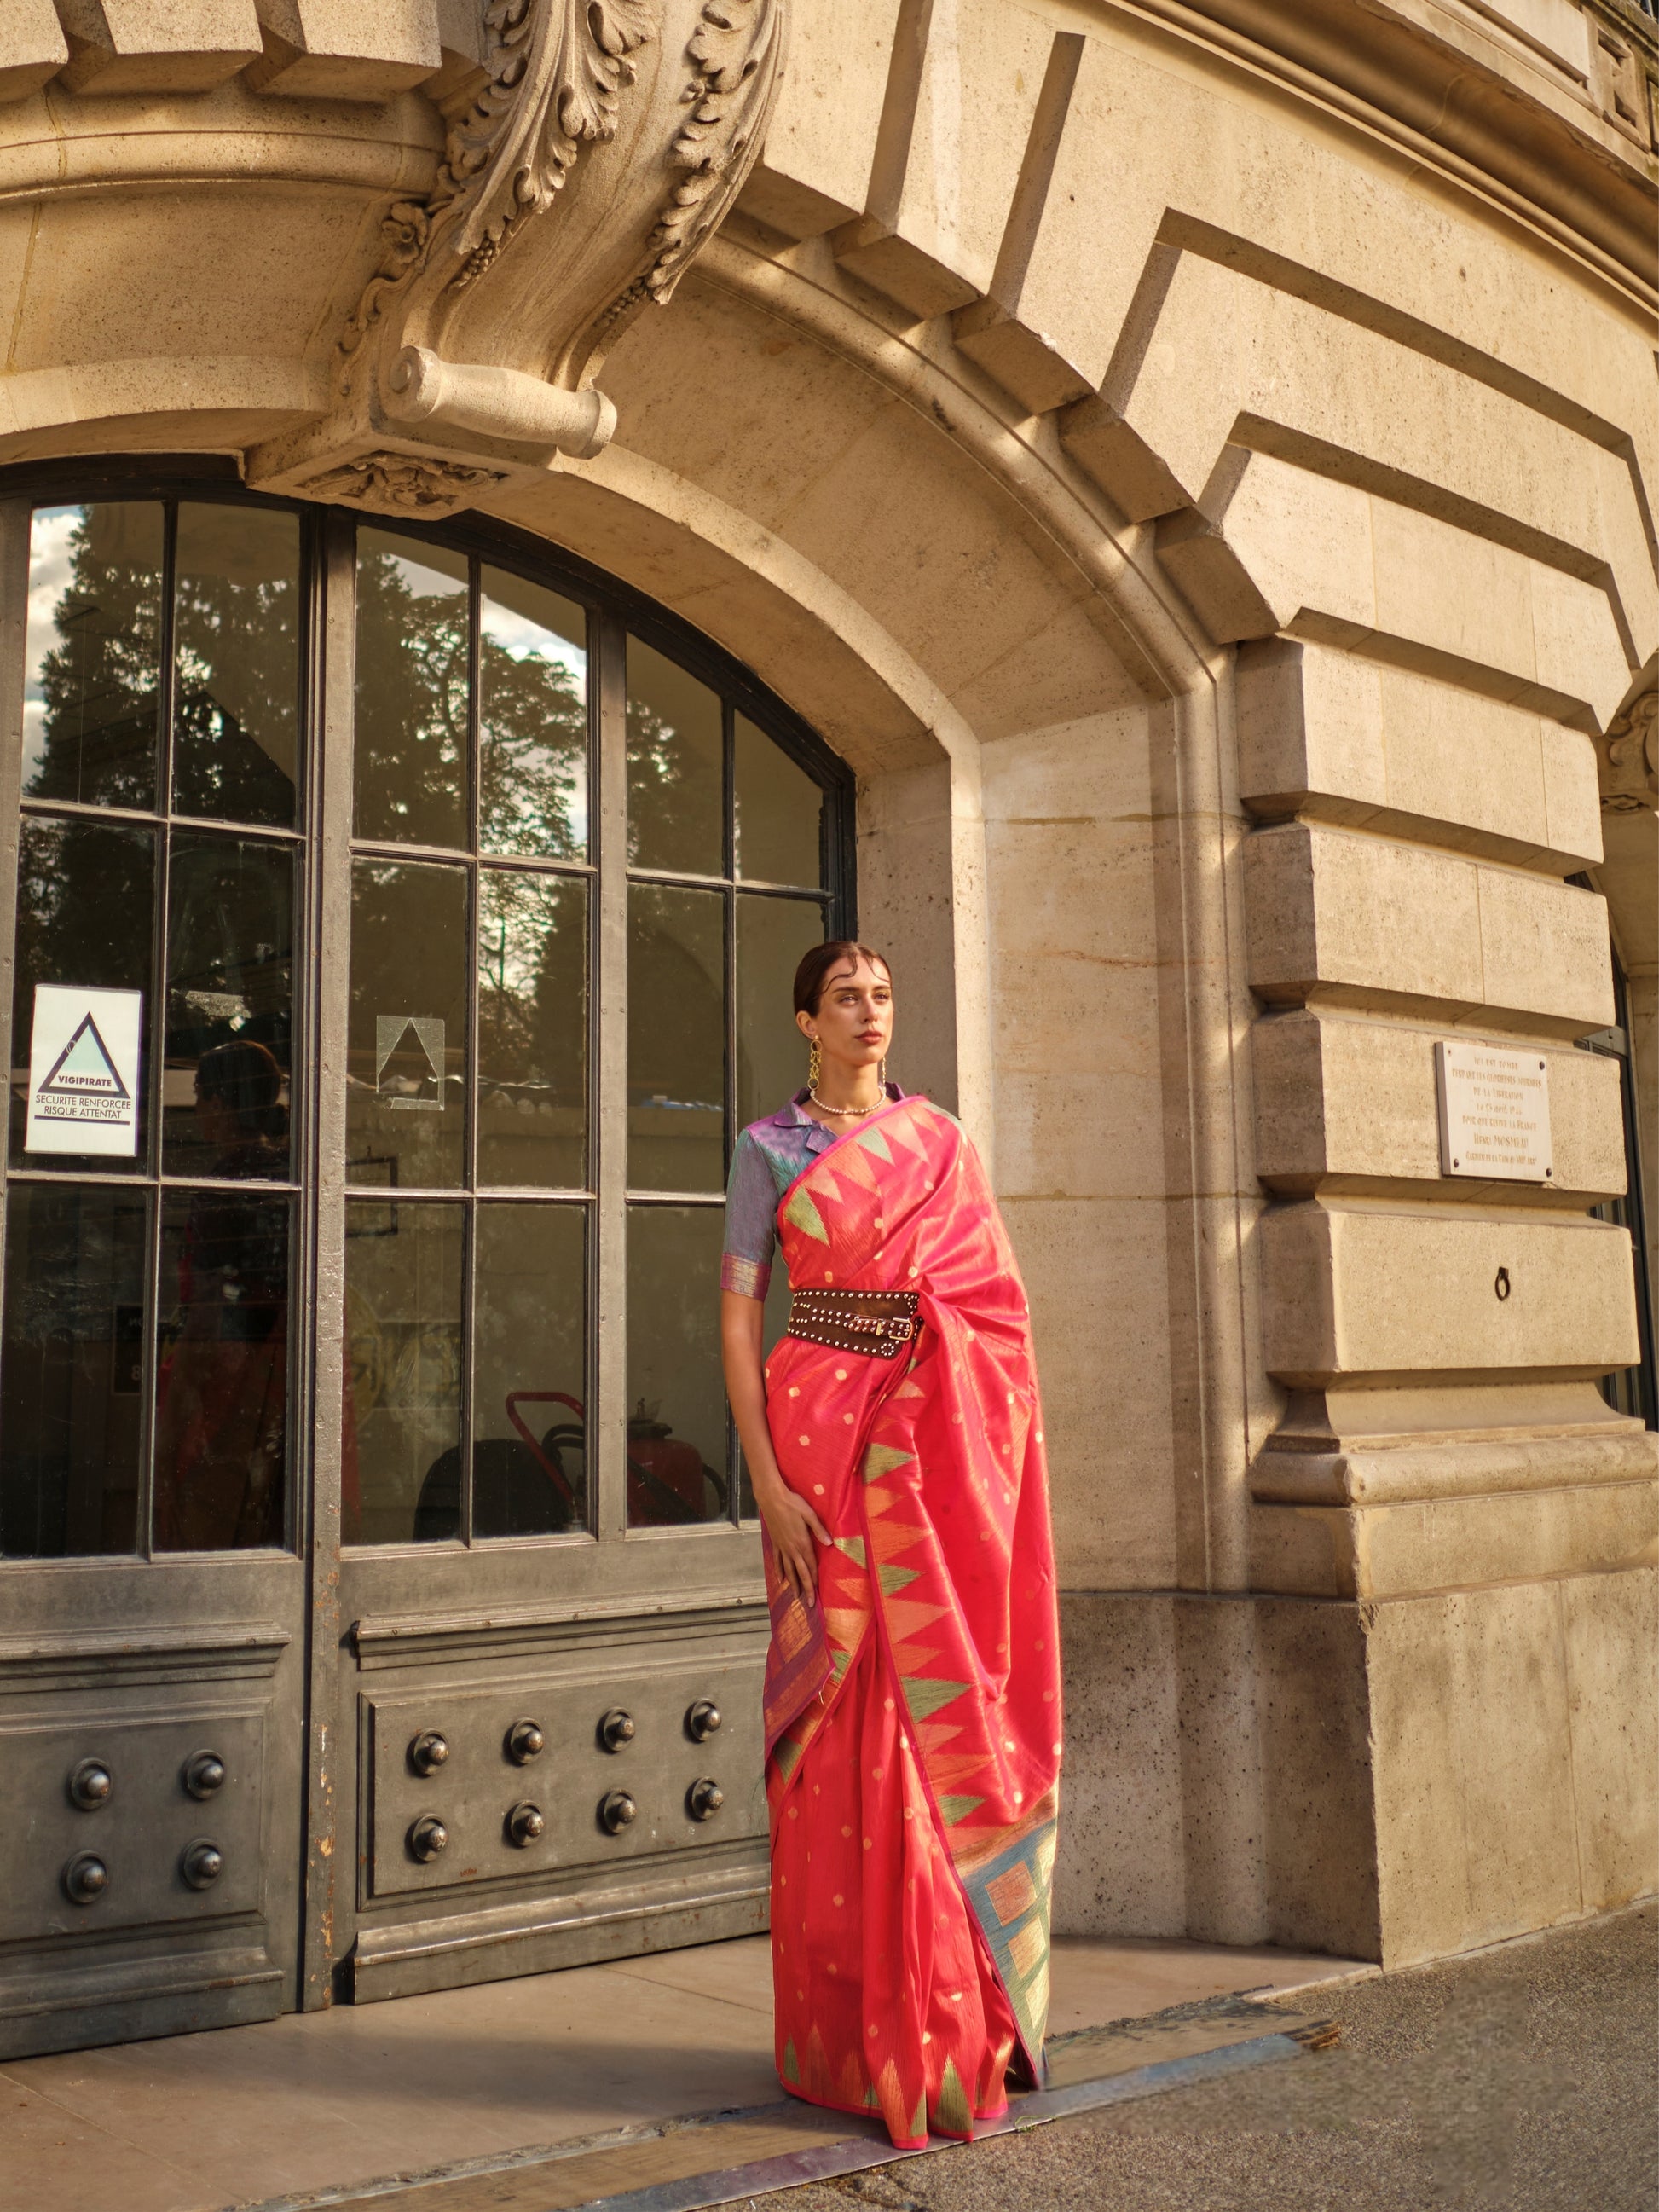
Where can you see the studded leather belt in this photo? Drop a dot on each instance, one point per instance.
(879, 1323)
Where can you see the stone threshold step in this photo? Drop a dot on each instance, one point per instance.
(719, 2158)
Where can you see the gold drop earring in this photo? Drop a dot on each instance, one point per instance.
(814, 1067)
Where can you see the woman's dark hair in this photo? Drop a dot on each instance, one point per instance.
(815, 965)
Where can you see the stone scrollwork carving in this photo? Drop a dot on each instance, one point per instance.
(1627, 756)
(556, 70)
(607, 142)
(737, 52)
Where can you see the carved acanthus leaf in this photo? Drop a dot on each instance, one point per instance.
(401, 483)
(556, 68)
(1629, 757)
(737, 55)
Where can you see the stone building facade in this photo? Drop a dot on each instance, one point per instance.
(1175, 481)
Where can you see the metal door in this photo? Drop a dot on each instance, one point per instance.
(381, 1600)
(576, 899)
(152, 1385)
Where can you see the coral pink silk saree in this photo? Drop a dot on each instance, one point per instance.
(913, 1723)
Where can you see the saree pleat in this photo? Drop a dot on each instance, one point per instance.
(912, 1714)
(886, 1998)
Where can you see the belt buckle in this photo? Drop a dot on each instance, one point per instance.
(899, 1330)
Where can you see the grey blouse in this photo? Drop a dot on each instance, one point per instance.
(765, 1161)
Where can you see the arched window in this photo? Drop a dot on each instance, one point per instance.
(403, 922)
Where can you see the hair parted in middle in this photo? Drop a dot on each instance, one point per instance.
(815, 968)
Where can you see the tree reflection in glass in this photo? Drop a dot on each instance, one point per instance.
(93, 653)
(406, 1087)
(230, 982)
(236, 663)
(676, 768)
(532, 1028)
(85, 893)
(533, 720)
(412, 740)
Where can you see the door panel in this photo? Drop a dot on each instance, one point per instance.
(132, 1852)
(580, 1885)
(597, 1801)
(148, 1951)
(152, 1384)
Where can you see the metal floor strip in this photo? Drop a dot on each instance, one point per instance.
(858, 2154)
(675, 2164)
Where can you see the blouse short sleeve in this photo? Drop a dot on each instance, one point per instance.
(751, 1202)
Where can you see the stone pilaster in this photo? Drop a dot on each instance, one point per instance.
(1458, 1530)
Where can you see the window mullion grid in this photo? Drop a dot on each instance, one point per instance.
(470, 1061)
(729, 903)
(469, 1251)
(606, 1429)
(16, 518)
(165, 686)
(165, 693)
(593, 1208)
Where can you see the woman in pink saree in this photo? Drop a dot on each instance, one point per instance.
(894, 1437)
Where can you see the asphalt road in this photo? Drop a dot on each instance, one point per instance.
(1524, 2079)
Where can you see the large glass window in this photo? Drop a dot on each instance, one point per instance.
(561, 988)
(468, 1075)
(145, 1380)
(728, 886)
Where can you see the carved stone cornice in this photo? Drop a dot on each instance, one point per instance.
(577, 185)
(1627, 758)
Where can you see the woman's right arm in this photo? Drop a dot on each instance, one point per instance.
(792, 1524)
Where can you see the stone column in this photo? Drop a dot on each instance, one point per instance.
(1452, 1533)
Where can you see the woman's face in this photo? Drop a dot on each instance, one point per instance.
(853, 1024)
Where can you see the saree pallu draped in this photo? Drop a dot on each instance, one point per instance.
(913, 1716)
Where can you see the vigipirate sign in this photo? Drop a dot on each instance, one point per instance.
(84, 1071)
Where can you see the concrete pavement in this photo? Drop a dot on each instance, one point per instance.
(1521, 2079)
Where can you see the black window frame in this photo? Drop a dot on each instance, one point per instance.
(615, 610)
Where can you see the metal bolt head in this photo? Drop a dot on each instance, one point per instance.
(85, 1879)
(201, 1862)
(704, 1799)
(428, 1837)
(526, 1825)
(702, 1719)
(428, 1752)
(617, 1809)
(204, 1773)
(89, 1784)
(525, 1740)
(617, 1729)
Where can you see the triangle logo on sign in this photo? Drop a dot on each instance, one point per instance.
(84, 1069)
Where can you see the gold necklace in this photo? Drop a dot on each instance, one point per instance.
(855, 1113)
